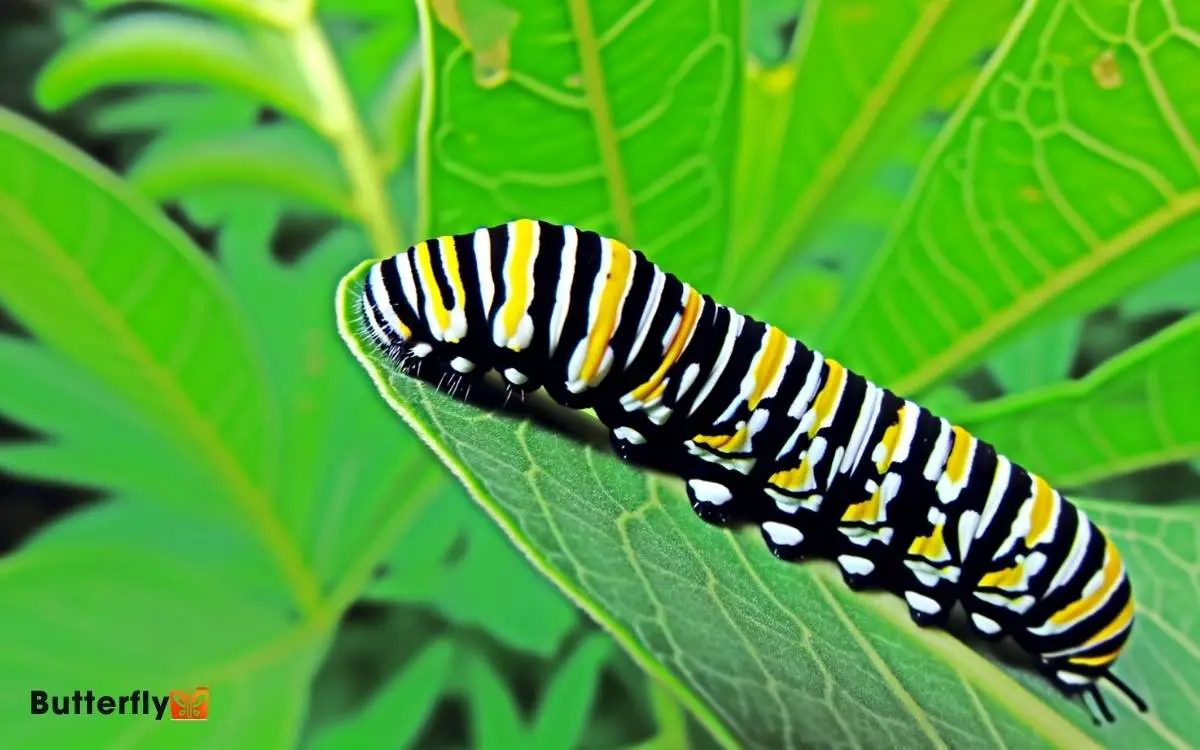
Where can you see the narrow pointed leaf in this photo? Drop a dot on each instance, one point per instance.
(567, 702)
(395, 716)
(455, 562)
(283, 159)
(495, 717)
(158, 47)
(1174, 291)
(123, 294)
(269, 12)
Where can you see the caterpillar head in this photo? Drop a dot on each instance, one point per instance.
(392, 321)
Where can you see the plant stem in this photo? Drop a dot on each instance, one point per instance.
(336, 118)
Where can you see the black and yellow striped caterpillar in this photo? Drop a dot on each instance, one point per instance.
(767, 431)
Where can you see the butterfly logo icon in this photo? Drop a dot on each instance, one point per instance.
(189, 706)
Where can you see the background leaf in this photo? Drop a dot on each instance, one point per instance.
(1176, 290)
(397, 714)
(875, 69)
(454, 560)
(118, 293)
(161, 637)
(1137, 410)
(597, 132)
(1073, 180)
(152, 47)
(564, 709)
(1041, 357)
(277, 159)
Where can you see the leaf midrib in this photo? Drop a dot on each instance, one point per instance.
(795, 221)
(1006, 319)
(602, 120)
(191, 422)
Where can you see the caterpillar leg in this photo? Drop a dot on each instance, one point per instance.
(927, 608)
(986, 627)
(629, 444)
(858, 572)
(784, 540)
(711, 500)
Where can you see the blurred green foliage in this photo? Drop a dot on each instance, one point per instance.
(979, 203)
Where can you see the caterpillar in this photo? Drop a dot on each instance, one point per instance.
(764, 430)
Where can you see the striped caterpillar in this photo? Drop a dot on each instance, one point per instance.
(766, 431)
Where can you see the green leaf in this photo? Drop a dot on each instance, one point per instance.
(284, 159)
(372, 11)
(766, 654)
(1039, 358)
(1070, 176)
(92, 437)
(370, 58)
(1161, 548)
(123, 295)
(269, 12)
(184, 117)
(595, 131)
(670, 718)
(495, 717)
(860, 77)
(157, 47)
(1139, 409)
(565, 706)
(768, 95)
(124, 308)
(58, 399)
(131, 597)
(818, 290)
(396, 110)
(344, 509)
(453, 559)
(294, 69)
(563, 709)
(187, 111)
(396, 715)
(1171, 292)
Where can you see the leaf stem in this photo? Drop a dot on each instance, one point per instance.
(602, 119)
(336, 118)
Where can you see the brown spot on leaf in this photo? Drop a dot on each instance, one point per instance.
(485, 28)
(1106, 71)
